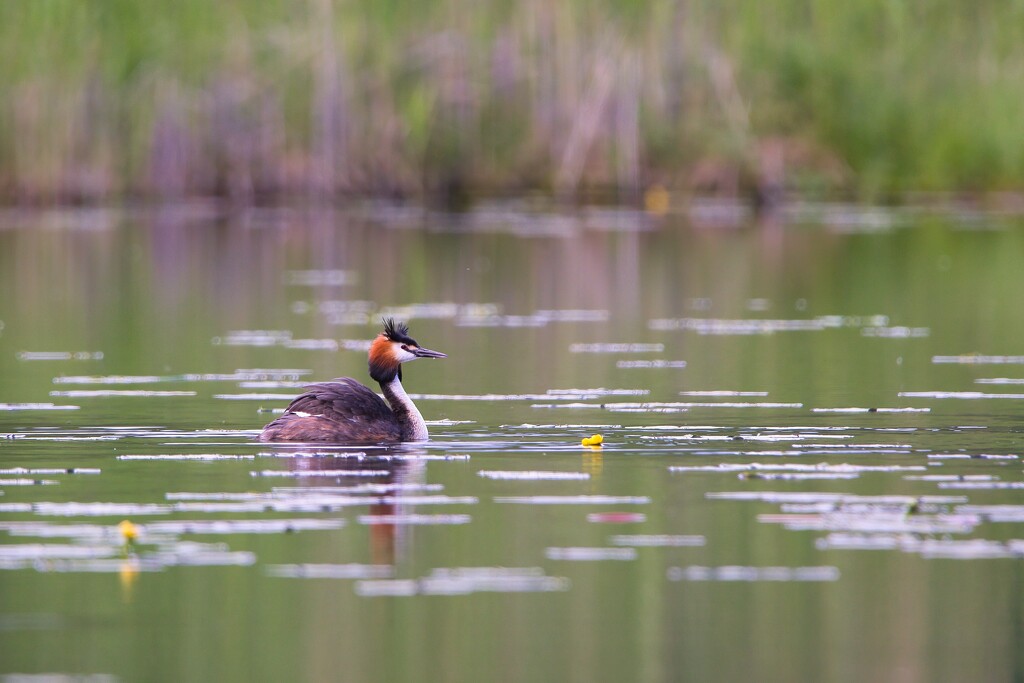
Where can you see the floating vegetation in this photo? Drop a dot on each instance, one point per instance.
(108, 379)
(551, 394)
(723, 393)
(616, 517)
(413, 519)
(574, 315)
(896, 332)
(574, 500)
(488, 315)
(110, 565)
(36, 406)
(98, 393)
(600, 391)
(581, 554)
(657, 540)
(429, 310)
(616, 348)
(240, 495)
(21, 552)
(50, 470)
(247, 375)
(389, 588)
(26, 482)
(928, 548)
(429, 500)
(741, 404)
(803, 476)
(255, 397)
(950, 477)
(983, 485)
(204, 457)
(650, 364)
(100, 509)
(661, 406)
(870, 410)
(979, 359)
(296, 451)
(467, 580)
(969, 395)
(503, 321)
(718, 326)
(350, 307)
(201, 555)
(697, 438)
(855, 447)
(478, 397)
(354, 489)
(733, 573)
(532, 475)
(807, 429)
(748, 326)
(362, 345)
(60, 355)
(772, 437)
(253, 338)
(994, 513)
(563, 427)
(447, 457)
(241, 526)
(973, 549)
(669, 428)
(321, 473)
(875, 520)
(831, 498)
(64, 558)
(860, 541)
(312, 344)
(331, 571)
(317, 278)
(650, 408)
(824, 467)
(305, 504)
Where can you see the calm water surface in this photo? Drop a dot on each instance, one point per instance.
(810, 468)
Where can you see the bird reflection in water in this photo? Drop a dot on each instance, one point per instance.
(395, 473)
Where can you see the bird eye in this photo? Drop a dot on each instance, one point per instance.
(405, 347)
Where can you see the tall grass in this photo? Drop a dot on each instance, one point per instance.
(875, 98)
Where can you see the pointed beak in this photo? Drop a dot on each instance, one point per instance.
(421, 352)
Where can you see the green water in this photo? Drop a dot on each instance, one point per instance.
(523, 305)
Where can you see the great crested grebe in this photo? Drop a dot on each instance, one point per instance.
(346, 411)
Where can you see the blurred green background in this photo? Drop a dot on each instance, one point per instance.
(875, 100)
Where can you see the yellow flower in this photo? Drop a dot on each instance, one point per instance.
(128, 531)
(656, 200)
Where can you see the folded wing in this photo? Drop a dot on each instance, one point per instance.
(340, 411)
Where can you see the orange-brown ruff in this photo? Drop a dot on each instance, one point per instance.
(345, 411)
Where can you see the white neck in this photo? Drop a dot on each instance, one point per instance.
(413, 426)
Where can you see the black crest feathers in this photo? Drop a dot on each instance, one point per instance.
(397, 331)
